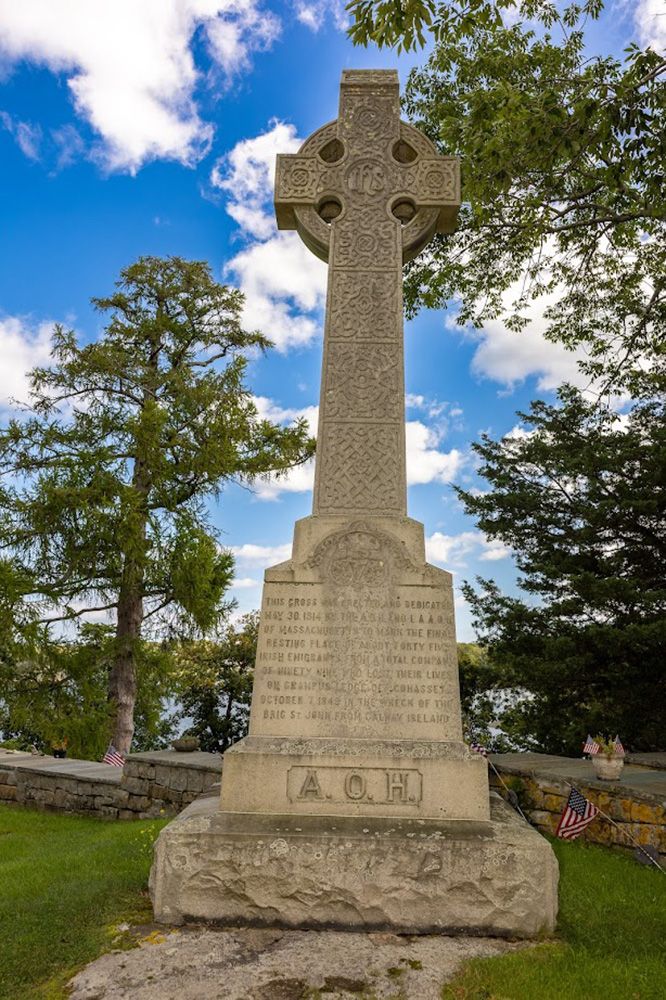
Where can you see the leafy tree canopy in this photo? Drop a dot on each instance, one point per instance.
(105, 479)
(580, 497)
(216, 687)
(562, 156)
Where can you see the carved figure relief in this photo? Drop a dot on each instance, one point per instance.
(360, 556)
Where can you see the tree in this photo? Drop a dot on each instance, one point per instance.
(55, 693)
(107, 477)
(580, 497)
(217, 692)
(562, 167)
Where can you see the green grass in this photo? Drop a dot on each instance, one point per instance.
(611, 938)
(64, 881)
(67, 881)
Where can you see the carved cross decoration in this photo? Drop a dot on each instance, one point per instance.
(366, 193)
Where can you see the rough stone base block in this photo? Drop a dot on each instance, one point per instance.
(496, 878)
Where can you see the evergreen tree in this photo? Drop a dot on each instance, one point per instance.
(580, 497)
(106, 479)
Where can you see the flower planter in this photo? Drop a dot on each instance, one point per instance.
(608, 768)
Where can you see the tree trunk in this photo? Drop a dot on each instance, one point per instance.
(122, 677)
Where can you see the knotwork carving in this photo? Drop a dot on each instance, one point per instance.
(365, 241)
(365, 304)
(363, 381)
(361, 468)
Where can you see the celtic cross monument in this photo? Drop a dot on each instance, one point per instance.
(354, 801)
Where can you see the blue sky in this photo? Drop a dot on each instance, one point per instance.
(151, 127)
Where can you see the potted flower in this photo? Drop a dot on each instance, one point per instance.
(60, 747)
(608, 760)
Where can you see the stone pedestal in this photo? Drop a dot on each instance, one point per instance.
(409, 876)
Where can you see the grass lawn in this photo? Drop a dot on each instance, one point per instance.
(612, 938)
(67, 881)
(64, 880)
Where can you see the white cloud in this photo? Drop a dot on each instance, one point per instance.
(453, 549)
(246, 174)
(650, 21)
(130, 67)
(510, 357)
(28, 136)
(21, 348)
(425, 464)
(244, 582)
(312, 13)
(301, 478)
(260, 556)
(283, 282)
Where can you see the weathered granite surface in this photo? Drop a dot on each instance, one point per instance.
(497, 878)
(250, 964)
(354, 801)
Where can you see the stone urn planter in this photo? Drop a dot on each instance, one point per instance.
(186, 744)
(608, 768)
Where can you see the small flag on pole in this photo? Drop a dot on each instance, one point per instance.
(578, 813)
(619, 749)
(113, 756)
(590, 746)
(478, 748)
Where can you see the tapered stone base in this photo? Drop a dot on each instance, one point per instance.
(410, 876)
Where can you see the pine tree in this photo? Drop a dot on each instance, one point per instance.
(580, 497)
(107, 476)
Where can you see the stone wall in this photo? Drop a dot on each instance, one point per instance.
(636, 802)
(150, 785)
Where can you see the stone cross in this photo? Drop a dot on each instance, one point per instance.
(366, 193)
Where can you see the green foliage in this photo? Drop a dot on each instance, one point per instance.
(580, 497)
(562, 166)
(59, 696)
(611, 938)
(216, 689)
(65, 880)
(106, 478)
(480, 702)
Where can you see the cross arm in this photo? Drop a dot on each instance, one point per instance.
(299, 180)
(434, 182)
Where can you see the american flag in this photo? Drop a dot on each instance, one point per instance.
(590, 746)
(478, 748)
(619, 749)
(578, 813)
(113, 756)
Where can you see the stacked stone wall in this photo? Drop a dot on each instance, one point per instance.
(543, 798)
(150, 785)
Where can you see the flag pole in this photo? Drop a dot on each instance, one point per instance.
(624, 832)
(504, 784)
